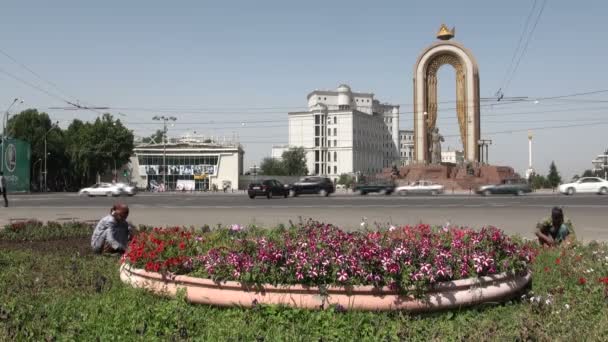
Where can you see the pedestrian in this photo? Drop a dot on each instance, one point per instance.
(3, 188)
(113, 232)
(554, 231)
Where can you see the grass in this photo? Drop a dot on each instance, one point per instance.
(66, 294)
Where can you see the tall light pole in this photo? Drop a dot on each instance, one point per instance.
(53, 126)
(164, 119)
(4, 124)
(530, 170)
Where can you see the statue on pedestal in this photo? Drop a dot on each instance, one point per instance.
(435, 146)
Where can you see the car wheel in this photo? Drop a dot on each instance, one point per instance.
(286, 194)
(293, 193)
(108, 194)
(434, 193)
(603, 191)
(487, 192)
(382, 192)
(323, 193)
(269, 194)
(519, 193)
(571, 191)
(402, 193)
(252, 196)
(86, 193)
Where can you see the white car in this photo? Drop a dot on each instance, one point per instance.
(101, 189)
(420, 187)
(593, 185)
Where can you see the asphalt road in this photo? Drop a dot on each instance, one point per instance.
(512, 213)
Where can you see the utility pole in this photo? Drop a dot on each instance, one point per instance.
(164, 119)
(53, 126)
(530, 170)
(4, 124)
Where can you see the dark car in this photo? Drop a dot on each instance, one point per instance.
(268, 188)
(383, 188)
(313, 185)
(508, 186)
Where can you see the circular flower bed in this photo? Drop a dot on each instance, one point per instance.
(407, 261)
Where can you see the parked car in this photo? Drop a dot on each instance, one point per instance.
(313, 185)
(127, 189)
(594, 185)
(420, 187)
(383, 188)
(268, 188)
(508, 186)
(101, 189)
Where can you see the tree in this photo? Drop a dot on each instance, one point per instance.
(294, 161)
(156, 138)
(588, 173)
(346, 179)
(272, 166)
(553, 178)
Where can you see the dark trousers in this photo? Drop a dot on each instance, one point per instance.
(5, 199)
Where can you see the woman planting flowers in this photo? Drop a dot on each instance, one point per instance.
(554, 231)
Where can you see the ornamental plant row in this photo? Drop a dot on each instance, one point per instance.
(410, 258)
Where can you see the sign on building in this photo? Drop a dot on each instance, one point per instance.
(16, 165)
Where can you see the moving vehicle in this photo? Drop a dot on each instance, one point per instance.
(313, 185)
(508, 186)
(383, 188)
(102, 189)
(420, 187)
(594, 185)
(127, 189)
(268, 188)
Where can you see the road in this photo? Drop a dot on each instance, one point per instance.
(511, 213)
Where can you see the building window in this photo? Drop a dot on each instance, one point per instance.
(317, 142)
(335, 119)
(319, 97)
(317, 119)
(329, 157)
(335, 143)
(335, 170)
(329, 131)
(328, 169)
(335, 156)
(317, 130)
(335, 131)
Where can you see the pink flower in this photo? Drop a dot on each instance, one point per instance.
(236, 228)
(342, 276)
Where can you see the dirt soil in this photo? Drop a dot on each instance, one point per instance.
(81, 245)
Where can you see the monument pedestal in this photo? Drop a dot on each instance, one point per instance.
(454, 177)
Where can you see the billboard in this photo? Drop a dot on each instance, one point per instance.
(15, 159)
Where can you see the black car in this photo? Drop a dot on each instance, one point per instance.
(268, 188)
(380, 187)
(313, 185)
(508, 186)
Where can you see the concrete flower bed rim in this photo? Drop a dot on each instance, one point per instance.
(443, 295)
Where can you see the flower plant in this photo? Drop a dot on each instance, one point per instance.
(409, 258)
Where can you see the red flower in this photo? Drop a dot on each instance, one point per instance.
(546, 269)
(582, 281)
(558, 261)
(182, 245)
(604, 280)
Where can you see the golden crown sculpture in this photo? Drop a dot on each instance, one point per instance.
(445, 33)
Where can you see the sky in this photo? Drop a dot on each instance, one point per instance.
(222, 67)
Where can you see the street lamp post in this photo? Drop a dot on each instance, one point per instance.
(164, 119)
(4, 124)
(53, 126)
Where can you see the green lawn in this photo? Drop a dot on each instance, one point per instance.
(58, 290)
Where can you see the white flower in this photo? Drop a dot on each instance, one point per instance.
(392, 228)
(567, 306)
(548, 301)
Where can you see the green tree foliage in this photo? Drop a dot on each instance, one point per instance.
(553, 177)
(77, 154)
(294, 161)
(588, 173)
(155, 138)
(539, 182)
(272, 166)
(347, 180)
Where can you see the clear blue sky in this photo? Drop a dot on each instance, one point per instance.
(257, 60)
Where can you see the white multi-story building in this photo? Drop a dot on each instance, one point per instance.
(406, 147)
(453, 157)
(346, 132)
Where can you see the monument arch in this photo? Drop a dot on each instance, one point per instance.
(467, 95)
